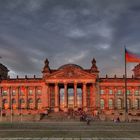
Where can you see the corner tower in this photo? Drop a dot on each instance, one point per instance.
(3, 72)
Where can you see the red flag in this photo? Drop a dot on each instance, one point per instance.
(132, 57)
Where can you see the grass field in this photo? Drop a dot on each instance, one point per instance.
(70, 130)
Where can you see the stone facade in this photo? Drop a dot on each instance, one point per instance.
(68, 87)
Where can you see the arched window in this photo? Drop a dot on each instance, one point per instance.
(101, 91)
(136, 104)
(13, 101)
(119, 92)
(4, 93)
(22, 101)
(110, 91)
(110, 102)
(128, 92)
(30, 101)
(119, 104)
(38, 91)
(136, 92)
(13, 92)
(38, 100)
(128, 103)
(4, 102)
(30, 92)
(102, 104)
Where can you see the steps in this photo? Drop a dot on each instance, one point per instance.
(59, 116)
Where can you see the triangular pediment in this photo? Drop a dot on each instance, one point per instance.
(71, 72)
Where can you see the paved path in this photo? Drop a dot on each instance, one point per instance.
(69, 130)
(69, 138)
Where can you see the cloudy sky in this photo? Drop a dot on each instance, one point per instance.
(68, 31)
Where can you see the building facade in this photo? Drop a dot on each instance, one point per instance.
(68, 87)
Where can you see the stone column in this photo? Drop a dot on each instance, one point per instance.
(75, 96)
(92, 97)
(18, 99)
(35, 98)
(56, 109)
(84, 97)
(10, 97)
(26, 96)
(47, 95)
(107, 99)
(133, 98)
(65, 97)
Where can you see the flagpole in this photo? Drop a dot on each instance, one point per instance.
(1, 100)
(125, 106)
(11, 105)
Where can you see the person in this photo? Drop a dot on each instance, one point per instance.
(88, 120)
(118, 119)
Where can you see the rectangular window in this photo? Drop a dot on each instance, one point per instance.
(110, 91)
(39, 92)
(110, 102)
(119, 92)
(30, 92)
(21, 92)
(128, 92)
(102, 105)
(13, 92)
(4, 93)
(101, 91)
(136, 92)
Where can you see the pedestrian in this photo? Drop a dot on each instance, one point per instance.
(88, 120)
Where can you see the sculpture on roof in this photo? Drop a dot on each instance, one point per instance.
(94, 68)
(46, 69)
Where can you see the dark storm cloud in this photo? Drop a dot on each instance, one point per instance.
(68, 31)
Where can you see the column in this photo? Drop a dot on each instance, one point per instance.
(26, 97)
(133, 98)
(75, 96)
(84, 97)
(47, 95)
(65, 97)
(56, 109)
(34, 95)
(18, 99)
(107, 98)
(92, 97)
(43, 89)
(9, 97)
(98, 96)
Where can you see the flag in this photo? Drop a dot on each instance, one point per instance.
(132, 57)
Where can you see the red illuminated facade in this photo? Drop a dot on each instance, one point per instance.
(68, 87)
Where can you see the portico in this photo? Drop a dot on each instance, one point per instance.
(64, 96)
(70, 87)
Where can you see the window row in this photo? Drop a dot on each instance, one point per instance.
(120, 104)
(21, 92)
(119, 92)
(21, 101)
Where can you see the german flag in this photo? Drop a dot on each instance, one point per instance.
(131, 57)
